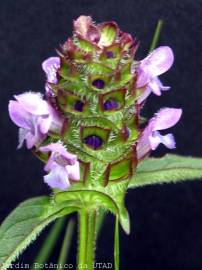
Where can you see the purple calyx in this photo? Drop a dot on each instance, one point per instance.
(98, 83)
(93, 141)
(110, 104)
(79, 106)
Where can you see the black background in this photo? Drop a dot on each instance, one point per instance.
(166, 220)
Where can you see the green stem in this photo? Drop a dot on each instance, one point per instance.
(116, 245)
(91, 239)
(156, 35)
(87, 237)
(83, 222)
(100, 220)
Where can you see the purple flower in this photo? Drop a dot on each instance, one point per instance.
(61, 166)
(151, 137)
(156, 63)
(35, 118)
(50, 67)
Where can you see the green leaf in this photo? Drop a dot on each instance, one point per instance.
(116, 245)
(169, 169)
(49, 243)
(24, 224)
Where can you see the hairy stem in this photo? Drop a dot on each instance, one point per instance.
(87, 237)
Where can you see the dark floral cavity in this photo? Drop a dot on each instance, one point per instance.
(111, 104)
(98, 83)
(109, 54)
(79, 106)
(93, 141)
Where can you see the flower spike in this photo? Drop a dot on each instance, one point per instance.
(87, 130)
(95, 91)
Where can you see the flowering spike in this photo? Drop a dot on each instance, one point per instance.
(89, 129)
(95, 91)
(98, 78)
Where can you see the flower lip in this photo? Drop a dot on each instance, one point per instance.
(166, 118)
(155, 64)
(159, 61)
(33, 103)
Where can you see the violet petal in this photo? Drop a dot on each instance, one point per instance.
(57, 178)
(50, 67)
(18, 115)
(166, 118)
(74, 171)
(168, 140)
(158, 62)
(33, 103)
